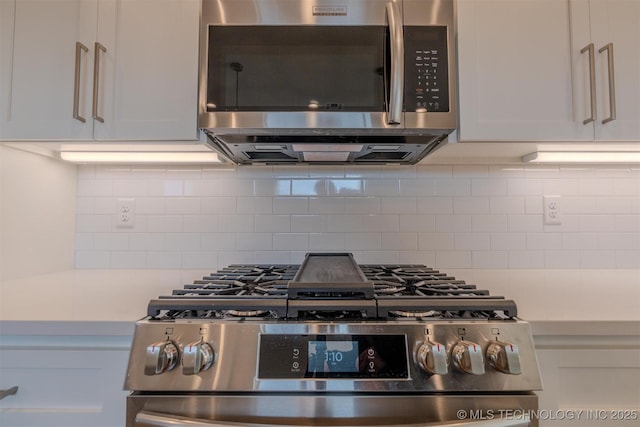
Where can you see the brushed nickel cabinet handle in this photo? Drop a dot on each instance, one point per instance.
(8, 392)
(612, 85)
(397, 63)
(96, 81)
(76, 82)
(592, 81)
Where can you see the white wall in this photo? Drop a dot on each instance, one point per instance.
(450, 217)
(37, 221)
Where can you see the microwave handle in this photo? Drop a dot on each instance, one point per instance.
(154, 419)
(397, 63)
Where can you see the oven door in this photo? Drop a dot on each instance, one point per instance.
(283, 64)
(342, 410)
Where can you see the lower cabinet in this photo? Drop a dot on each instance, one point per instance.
(589, 381)
(63, 382)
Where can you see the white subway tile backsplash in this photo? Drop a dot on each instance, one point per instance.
(462, 216)
(382, 187)
(182, 241)
(326, 241)
(219, 205)
(327, 205)
(236, 223)
(254, 241)
(494, 223)
(199, 223)
(308, 187)
(398, 205)
(290, 205)
(309, 223)
(435, 205)
(182, 205)
(363, 241)
(344, 187)
(472, 241)
(290, 241)
(362, 205)
(163, 223)
(380, 223)
(452, 187)
(345, 223)
(471, 205)
(451, 223)
(218, 241)
(255, 205)
(272, 223)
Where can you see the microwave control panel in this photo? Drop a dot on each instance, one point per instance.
(426, 69)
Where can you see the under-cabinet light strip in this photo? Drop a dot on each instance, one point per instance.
(582, 157)
(139, 157)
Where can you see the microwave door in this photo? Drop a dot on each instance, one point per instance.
(396, 72)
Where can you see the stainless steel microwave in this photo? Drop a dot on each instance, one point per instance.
(338, 81)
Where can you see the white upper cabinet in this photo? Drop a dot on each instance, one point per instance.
(606, 33)
(523, 77)
(99, 69)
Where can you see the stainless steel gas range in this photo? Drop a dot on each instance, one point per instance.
(331, 343)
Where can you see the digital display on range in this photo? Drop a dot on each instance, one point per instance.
(287, 356)
(333, 356)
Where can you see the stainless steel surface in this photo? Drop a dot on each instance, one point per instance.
(397, 64)
(393, 119)
(592, 82)
(154, 419)
(76, 82)
(332, 409)
(237, 346)
(96, 81)
(612, 85)
(8, 392)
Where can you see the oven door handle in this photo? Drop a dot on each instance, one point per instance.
(155, 419)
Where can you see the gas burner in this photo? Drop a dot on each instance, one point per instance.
(246, 313)
(416, 314)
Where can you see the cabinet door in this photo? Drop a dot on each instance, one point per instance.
(41, 68)
(148, 90)
(7, 10)
(515, 71)
(63, 387)
(617, 22)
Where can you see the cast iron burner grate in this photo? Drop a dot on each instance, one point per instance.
(262, 291)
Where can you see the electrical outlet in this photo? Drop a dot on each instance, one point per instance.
(125, 213)
(551, 210)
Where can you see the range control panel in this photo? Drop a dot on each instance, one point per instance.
(333, 356)
(426, 69)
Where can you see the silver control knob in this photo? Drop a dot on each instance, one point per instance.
(161, 356)
(432, 357)
(197, 357)
(504, 357)
(467, 356)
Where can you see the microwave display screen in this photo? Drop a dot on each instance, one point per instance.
(296, 68)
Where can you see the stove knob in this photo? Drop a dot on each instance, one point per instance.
(432, 357)
(504, 356)
(197, 357)
(467, 356)
(161, 356)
